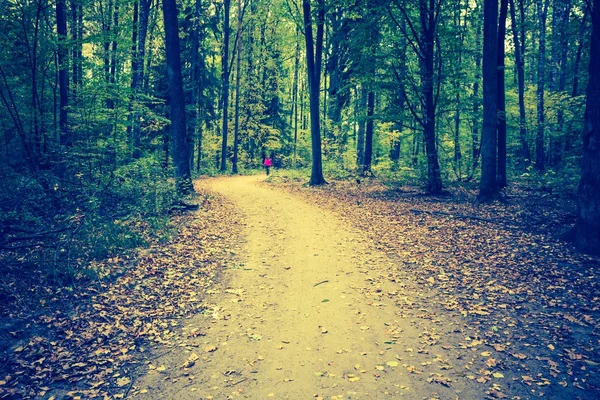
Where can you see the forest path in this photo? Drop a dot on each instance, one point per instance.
(294, 320)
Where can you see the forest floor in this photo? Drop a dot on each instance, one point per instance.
(347, 291)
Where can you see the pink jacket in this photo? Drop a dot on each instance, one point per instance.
(268, 162)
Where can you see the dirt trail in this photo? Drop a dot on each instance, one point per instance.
(291, 320)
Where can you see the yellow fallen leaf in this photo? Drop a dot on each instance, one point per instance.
(354, 379)
(392, 363)
(551, 347)
(123, 381)
(161, 368)
(486, 353)
(379, 367)
(497, 375)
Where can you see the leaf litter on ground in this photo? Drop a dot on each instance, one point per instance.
(91, 341)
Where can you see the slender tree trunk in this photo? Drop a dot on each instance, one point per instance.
(181, 156)
(314, 53)
(63, 74)
(75, 44)
(138, 73)
(542, 9)
(225, 83)
(428, 26)
(576, 65)
(562, 80)
(520, 63)
(587, 227)
(475, 143)
(360, 143)
(234, 168)
(488, 187)
(501, 102)
(113, 55)
(295, 95)
(369, 134)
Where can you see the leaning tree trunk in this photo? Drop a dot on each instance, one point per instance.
(488, 187)
(181, 150)
(587, 228)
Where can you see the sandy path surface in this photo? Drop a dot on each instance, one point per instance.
(292, 320)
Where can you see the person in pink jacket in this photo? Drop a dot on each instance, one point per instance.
(268, 164)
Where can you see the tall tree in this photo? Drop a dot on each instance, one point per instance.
(140, 31)
(587, 227)
(181, 150)
(314, 56)
(423, 38)
(225, 83)
(542, 12)
(63, 74)
(501, 93)
(520, 65)
(236, 133)
(488, 186)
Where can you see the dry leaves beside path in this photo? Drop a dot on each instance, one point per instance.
(88, 343)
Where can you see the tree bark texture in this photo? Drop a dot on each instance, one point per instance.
(428, 26)
(542, 10)
(587, 227)
(501, 105)
(63, 74)
(488, 187)
(314, 54)
(520, 64)
(181, 150)
(225, 83)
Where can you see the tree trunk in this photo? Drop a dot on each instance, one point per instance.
(360, 143)
(314, 53)
(488, 187)
(234, 167)
(475, 142)
(295, 96)
(369, 134)
(582, 31)
(63, 74)
(542, 9)
(181, 156)
(587, 227)
(137, 72)
(428, 26)
(501, 102)
(225, 83)
(520, 63)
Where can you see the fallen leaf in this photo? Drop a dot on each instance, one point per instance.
(123, 381)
